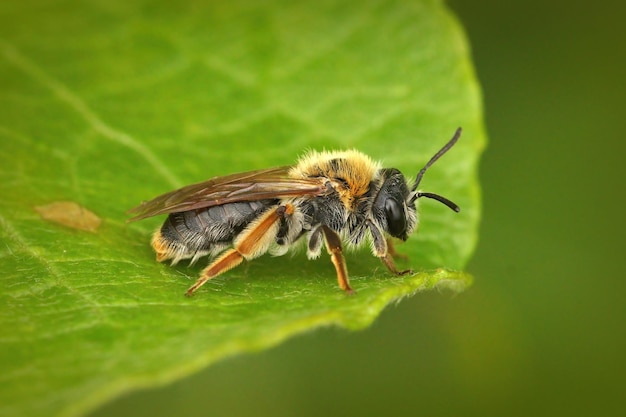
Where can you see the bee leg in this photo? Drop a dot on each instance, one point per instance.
(251, 243)
(384, 250)
(391, 266)
(333, 245)
(228, 260)
(391, 249)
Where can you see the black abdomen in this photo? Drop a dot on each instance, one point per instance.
(202, 230)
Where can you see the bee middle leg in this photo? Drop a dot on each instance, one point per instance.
(384, 250)
(333, 245)
(251, 243)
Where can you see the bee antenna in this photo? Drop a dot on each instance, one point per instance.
(439, 198)
(438, 155)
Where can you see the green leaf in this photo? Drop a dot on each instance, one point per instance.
(105, 104)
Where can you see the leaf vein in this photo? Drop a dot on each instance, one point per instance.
(14, 235)
(63, 93)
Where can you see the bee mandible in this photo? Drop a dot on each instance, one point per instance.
(325, 198)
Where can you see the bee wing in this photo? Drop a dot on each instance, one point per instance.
(246, 186)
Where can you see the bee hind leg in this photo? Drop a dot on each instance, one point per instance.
(251, 243)
(228, 260)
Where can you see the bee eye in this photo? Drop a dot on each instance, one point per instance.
(396, 218)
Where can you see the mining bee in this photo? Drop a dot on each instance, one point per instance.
(326, 197)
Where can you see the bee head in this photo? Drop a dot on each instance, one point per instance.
(394, 205)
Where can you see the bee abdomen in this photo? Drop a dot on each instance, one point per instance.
(191, 234)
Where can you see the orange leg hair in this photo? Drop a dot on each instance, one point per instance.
(251, 243)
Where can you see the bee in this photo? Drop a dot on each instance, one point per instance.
(324, 199)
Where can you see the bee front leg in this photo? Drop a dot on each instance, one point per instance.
(383, 250)
(333, 245)
(391, 266)
(251, 243)
(391, 250)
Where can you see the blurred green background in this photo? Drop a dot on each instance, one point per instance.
(541, 332)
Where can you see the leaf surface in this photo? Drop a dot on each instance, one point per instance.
(106, 104)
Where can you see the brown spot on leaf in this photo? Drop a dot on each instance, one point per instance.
(70, 214)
